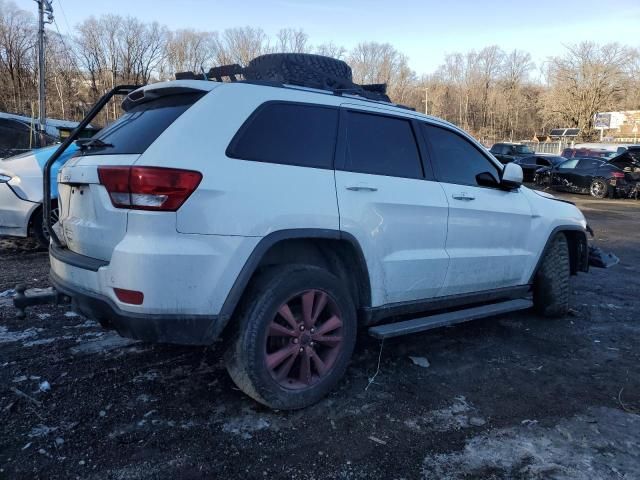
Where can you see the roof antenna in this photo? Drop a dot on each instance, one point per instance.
(204, 75)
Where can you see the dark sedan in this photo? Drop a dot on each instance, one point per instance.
(530, 165)
(601, 178)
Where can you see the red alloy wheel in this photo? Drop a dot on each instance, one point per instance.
(304, 340)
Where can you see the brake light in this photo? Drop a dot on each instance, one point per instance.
(148, 188)
(617, 174)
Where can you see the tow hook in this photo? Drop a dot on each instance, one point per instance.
(21, 301)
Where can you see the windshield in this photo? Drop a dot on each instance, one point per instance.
(140, 126)
(556, 160)
(523, 149)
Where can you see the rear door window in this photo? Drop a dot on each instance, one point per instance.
(381, 145)
(290, 134)
(141, 125)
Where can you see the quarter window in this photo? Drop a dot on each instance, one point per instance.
(381, 145)
(288, 133)
(588, 163)
(455, 159)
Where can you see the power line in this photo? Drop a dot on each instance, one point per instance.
(64, 16)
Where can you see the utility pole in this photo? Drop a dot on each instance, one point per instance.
(44, 7)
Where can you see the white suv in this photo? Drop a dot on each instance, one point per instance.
(284, 218)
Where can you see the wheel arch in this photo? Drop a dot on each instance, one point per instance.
(337, 251)
(37, 209)
(578, 249)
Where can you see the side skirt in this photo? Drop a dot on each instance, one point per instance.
(373, 315)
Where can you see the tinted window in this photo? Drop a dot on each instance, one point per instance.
(588, 163)
(291, 134)
(555, 160)
(381, 145)
(497, 148)
(543, 162)
(527, 161)
(142, 124)
(523, 149)
(456, 159)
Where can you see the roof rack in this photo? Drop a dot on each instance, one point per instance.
(236, 73)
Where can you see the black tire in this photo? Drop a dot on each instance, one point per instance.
(245, 357)
(551, 284)
(599, 188)
(298, 68)
(38, 229)
(315, 71)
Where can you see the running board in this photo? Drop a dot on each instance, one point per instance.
(390, 330)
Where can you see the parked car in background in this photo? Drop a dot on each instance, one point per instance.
(599, 177)
(508, 152)
(21, 192)
(588, 152)
(18, 134)
(530, 165)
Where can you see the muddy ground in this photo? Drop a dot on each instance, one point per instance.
(514, 396)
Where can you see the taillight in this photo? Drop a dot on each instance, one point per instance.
(617, 174)
(148, 188)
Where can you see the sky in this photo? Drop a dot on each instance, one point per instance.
(423, 30)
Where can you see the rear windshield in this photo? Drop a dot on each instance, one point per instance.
(141, 125)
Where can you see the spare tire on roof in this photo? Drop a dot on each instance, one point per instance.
(316, 71)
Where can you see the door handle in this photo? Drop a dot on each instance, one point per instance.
(462, 196)
(362, 188)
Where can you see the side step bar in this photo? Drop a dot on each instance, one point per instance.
(397, 329)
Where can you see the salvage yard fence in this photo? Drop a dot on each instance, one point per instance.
(554, 148)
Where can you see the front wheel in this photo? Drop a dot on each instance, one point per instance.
(551, 283)
(39, 231)
(294, 337)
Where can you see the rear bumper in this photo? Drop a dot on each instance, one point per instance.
(157, 328)
(14, 212)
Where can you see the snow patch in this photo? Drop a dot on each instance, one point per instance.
(602, 444)
(6, 336)
(109, 341)
(246, 425)
(453, 417)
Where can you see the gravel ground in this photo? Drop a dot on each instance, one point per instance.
(514, 396)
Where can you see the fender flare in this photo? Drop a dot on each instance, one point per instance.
(250, 266)
(582, 257)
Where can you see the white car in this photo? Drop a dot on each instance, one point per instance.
(283, 218)
(21, 192)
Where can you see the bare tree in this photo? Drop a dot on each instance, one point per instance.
(241, 45)
(17, 40)
(293, 41)
(587, 79)
(190, 50)
(331, 50)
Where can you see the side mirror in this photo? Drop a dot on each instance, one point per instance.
(511, 176)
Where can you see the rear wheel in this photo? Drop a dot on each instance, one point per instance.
(294, 337)
(551, 284)
(598, 188)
